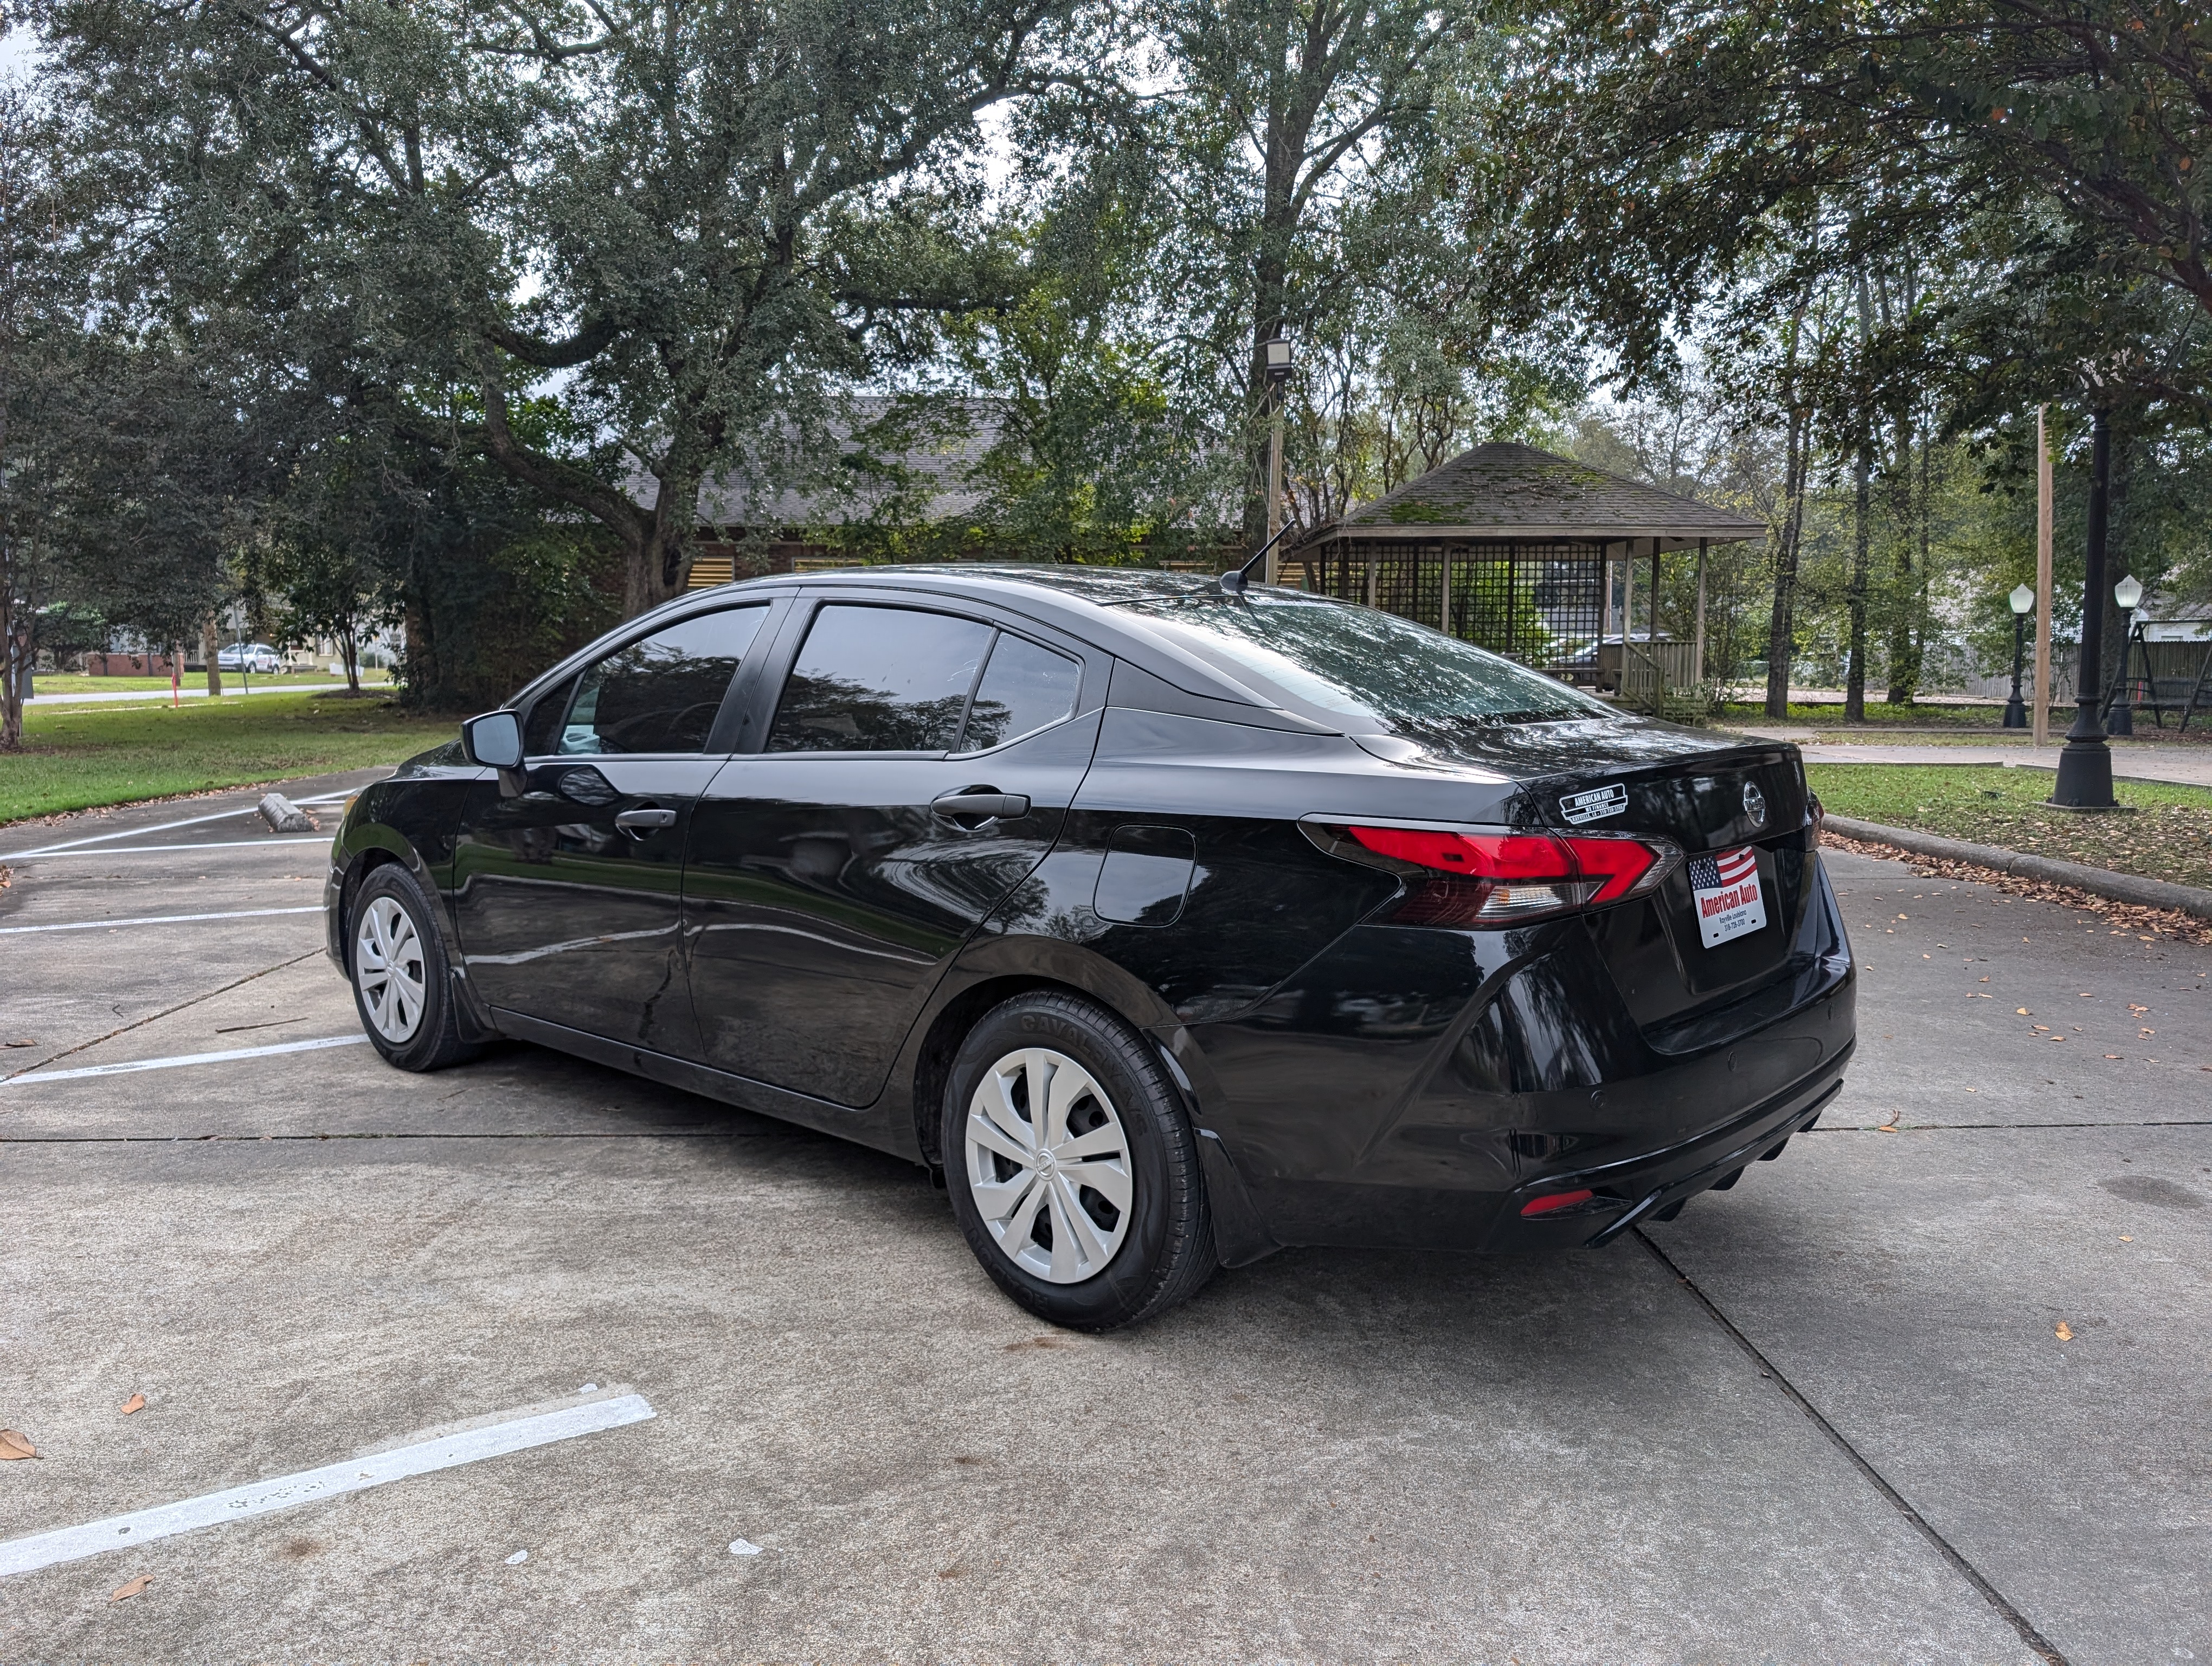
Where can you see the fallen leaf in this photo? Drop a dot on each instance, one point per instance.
(20, 1043)
(2140, 1033)
(2022, 1011)
(2125, 1238)
(132, 1589)
(1037, 1344)
(2065, 1332)
(2112, 1055)
(135, 1403)
(15, 1444)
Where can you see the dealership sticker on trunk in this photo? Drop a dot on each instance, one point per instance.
(1725, 886)
(1596, 804)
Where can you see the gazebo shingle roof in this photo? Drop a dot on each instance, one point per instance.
(1514, 492)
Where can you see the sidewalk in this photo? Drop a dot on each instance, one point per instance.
(2132, 760)
(273, 686)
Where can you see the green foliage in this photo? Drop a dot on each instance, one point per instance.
(75, 757)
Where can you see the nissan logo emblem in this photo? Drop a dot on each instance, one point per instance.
(1754, 803)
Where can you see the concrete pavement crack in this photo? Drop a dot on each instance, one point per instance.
(2016, 1127)
(1997, 1599)
(151, 1018)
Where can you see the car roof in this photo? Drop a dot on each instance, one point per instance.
(1090, 603)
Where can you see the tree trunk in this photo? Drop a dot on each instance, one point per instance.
(657, 565)
(15, 661)
(2119, 563)
(1781, 629)
(1854, 675)
(349, 652)
(211, 651)
(1782, 625)
(1904, 669)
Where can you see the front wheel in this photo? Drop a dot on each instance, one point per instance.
(397, 963)
(1073, 1172)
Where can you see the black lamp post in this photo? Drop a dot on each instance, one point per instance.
(2085, 762)
(2023, 603)
(2128, 593)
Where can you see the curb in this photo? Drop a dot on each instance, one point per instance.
(2097, 881)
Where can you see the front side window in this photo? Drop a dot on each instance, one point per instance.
(879, 679)
(661, 693)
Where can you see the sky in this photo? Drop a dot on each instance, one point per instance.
(15, 53)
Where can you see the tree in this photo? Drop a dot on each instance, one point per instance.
(695, 215)
(1272, 121)
(38, 337)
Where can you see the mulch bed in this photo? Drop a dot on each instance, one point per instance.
(2149, 925)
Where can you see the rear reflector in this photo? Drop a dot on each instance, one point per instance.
(1546, 1205)
(1517, 876)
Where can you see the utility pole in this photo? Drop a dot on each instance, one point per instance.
(2040, 727)
(1278, 373)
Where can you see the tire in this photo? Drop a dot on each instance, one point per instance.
(396, 962)
(1146, 1239)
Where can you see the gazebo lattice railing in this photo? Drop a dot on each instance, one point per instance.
(1543, 603)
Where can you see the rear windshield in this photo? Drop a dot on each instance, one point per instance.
(1357, 663)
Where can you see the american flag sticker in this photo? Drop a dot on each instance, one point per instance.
(1724, 888)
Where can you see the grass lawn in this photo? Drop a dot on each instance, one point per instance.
(2169, 836)
(75, 758)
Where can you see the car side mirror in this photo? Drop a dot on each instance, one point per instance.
(493, 739)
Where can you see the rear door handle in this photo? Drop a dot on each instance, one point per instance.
(638, 823)
(980, 806)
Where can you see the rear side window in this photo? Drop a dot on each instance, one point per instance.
(879, 679)
(1025, 688)
(1358, 663)
(660, 694)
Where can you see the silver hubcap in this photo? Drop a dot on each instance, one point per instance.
(387, 968)
(1048, 1165)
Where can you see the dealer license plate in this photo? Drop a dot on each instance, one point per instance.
(1724, 887)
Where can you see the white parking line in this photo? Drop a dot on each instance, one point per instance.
(70, 1544)
(160, 850)
(223, 1057)
(156, 920)
(162, 827)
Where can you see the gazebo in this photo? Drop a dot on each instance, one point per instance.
(1514, 548)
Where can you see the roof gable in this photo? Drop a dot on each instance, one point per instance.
(1506, 490)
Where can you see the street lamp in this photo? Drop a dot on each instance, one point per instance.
(2023, 603)
(2121, 719)
(1277, 356)
(2085, 764)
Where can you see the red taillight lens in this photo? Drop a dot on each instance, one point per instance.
(1477, 856)
(1621, 863)
(1546, 1205)
(1516, 876)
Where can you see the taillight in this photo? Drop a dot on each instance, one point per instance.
(1505, 879)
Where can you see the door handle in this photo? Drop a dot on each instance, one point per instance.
(981, 805)
(638, 823)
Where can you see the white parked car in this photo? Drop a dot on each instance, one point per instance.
(256, 657)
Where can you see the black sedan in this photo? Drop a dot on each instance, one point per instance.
(1165, 925)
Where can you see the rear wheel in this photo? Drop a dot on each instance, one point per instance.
(397, 963)
(1074, 1171)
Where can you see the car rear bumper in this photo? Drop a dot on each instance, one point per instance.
(1640, 1188)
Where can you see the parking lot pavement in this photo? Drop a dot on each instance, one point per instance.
(303, 1257)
